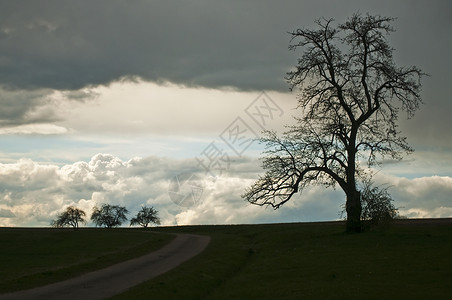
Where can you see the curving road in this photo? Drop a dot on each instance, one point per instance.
(118, 278)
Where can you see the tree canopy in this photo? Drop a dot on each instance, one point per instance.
(351, 94)
(72, 216)
(109, 215)
(145, 216)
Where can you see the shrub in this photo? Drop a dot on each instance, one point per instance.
(377, 207)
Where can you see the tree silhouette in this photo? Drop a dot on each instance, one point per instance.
(377, 204)
(71, 217)
(145, 216)
(351, 96)
(109, 215)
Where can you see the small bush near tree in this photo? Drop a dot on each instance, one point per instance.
(377, 205)
(109, 216)
(146, 216)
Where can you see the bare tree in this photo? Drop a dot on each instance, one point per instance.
(145, 216)
(351, 96)
(71, 217)
(109, 215)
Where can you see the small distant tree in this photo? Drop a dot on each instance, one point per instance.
(145, 216)
(109, 215)
(72, 216)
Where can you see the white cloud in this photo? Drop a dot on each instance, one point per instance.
(35, 193)
(420, 197)
(146, 109)
(440, 212)
(44, 129)
(31, 194)
(136, 119)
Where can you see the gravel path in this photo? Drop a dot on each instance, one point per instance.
(118, 278)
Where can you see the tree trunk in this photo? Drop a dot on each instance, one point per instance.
(353, 208)
(353, 203)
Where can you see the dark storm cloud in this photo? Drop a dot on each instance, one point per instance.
(67, 45)
(20, 107)
(72, 44)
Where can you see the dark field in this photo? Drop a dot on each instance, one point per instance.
(36, 256)
(409, 259)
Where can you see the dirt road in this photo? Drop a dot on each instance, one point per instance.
(118, 278)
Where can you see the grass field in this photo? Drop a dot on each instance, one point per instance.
(32, 257)
(311, 261)
(279, 261)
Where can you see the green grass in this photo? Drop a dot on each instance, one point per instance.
(313, 261)
(279, 261)
(32, 257)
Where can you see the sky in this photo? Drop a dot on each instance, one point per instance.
(127, 102)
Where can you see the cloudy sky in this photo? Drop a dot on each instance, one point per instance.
(120, 101)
